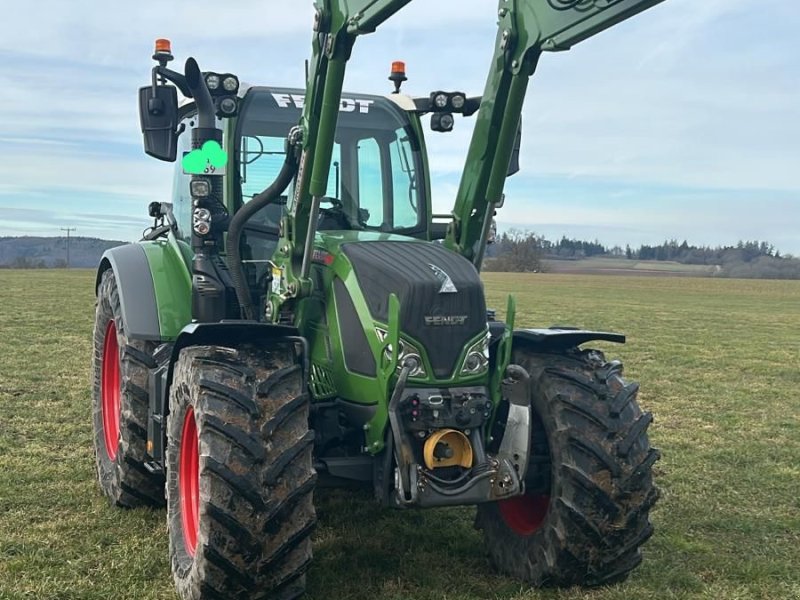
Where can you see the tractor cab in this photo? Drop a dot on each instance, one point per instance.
(378, 179)
(377, 182)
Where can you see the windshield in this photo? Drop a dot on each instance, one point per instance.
(374, 180)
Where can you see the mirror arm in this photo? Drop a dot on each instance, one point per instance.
(173, 76)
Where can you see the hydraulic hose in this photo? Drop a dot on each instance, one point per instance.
(244, 214)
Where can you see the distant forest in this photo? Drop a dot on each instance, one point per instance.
(513, 251)
(51, 252)
(526, 251)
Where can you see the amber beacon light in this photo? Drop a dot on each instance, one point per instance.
(398, 75)
(163, 45)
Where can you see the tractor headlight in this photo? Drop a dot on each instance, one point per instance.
(201, 221)
(477, 359)
(212, 81)
(407, 351)
(440, 100)
(458, 101)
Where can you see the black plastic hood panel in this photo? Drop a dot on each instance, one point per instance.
(440, 292)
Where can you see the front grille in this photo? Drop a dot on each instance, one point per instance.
(427, 315)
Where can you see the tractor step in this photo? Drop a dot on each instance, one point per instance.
(154, 468)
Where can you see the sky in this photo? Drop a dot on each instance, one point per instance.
(683, 122)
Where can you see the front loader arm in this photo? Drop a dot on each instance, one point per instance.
(526, 29)
(337, 24)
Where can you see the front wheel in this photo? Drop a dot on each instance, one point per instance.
(240, 477)
(589, 485)
(120, 405)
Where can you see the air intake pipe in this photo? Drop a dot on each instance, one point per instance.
(244, 214)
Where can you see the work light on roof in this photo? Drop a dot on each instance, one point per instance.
(212, 81)
(442, 122)
(227, 106)
(230, 83)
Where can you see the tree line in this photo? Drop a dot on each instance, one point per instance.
(25, 262)
(525, 251)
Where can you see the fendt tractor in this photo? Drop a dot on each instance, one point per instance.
(298, 316)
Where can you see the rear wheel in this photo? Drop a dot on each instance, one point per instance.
(589, 486)
(240, 485)
(120, 405)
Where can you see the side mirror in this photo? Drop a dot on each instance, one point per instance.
(158, 115)
(513, 164)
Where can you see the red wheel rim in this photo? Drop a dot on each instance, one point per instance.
(189, 482)
(525, 514)
(109, 390)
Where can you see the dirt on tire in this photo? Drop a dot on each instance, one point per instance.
(256, 478)
(600, 489)
(123, 479)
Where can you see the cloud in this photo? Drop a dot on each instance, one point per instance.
(635, 214)
(36, 221)
(104, 33)
(722, 114)
(676, 111)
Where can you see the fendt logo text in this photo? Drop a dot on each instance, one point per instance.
(446, 320)
(298, 101)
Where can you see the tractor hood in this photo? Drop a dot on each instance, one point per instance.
(442, 305)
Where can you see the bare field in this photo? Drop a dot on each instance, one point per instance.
(719, 365)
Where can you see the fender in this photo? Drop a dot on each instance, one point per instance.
(137, 296)
(557, 339)
(232, 334)
(155, 287)
(225, 333)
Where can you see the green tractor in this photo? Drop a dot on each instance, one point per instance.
(298, 316)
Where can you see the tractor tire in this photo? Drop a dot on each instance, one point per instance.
(240, 478)
(589, 486)
(120, 405)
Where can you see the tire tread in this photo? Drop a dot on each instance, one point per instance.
(601, 481)
(256, 474)
(125, 481)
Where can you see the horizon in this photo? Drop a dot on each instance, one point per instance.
(502, 228)
(678, 124)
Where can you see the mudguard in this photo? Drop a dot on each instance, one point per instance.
(230, 333)
(155, 287)
(225, 333)
(137, 296)
(556, 339)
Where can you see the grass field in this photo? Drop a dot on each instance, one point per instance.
(622, 266)
(719, 364)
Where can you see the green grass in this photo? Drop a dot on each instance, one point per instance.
(719, 364)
